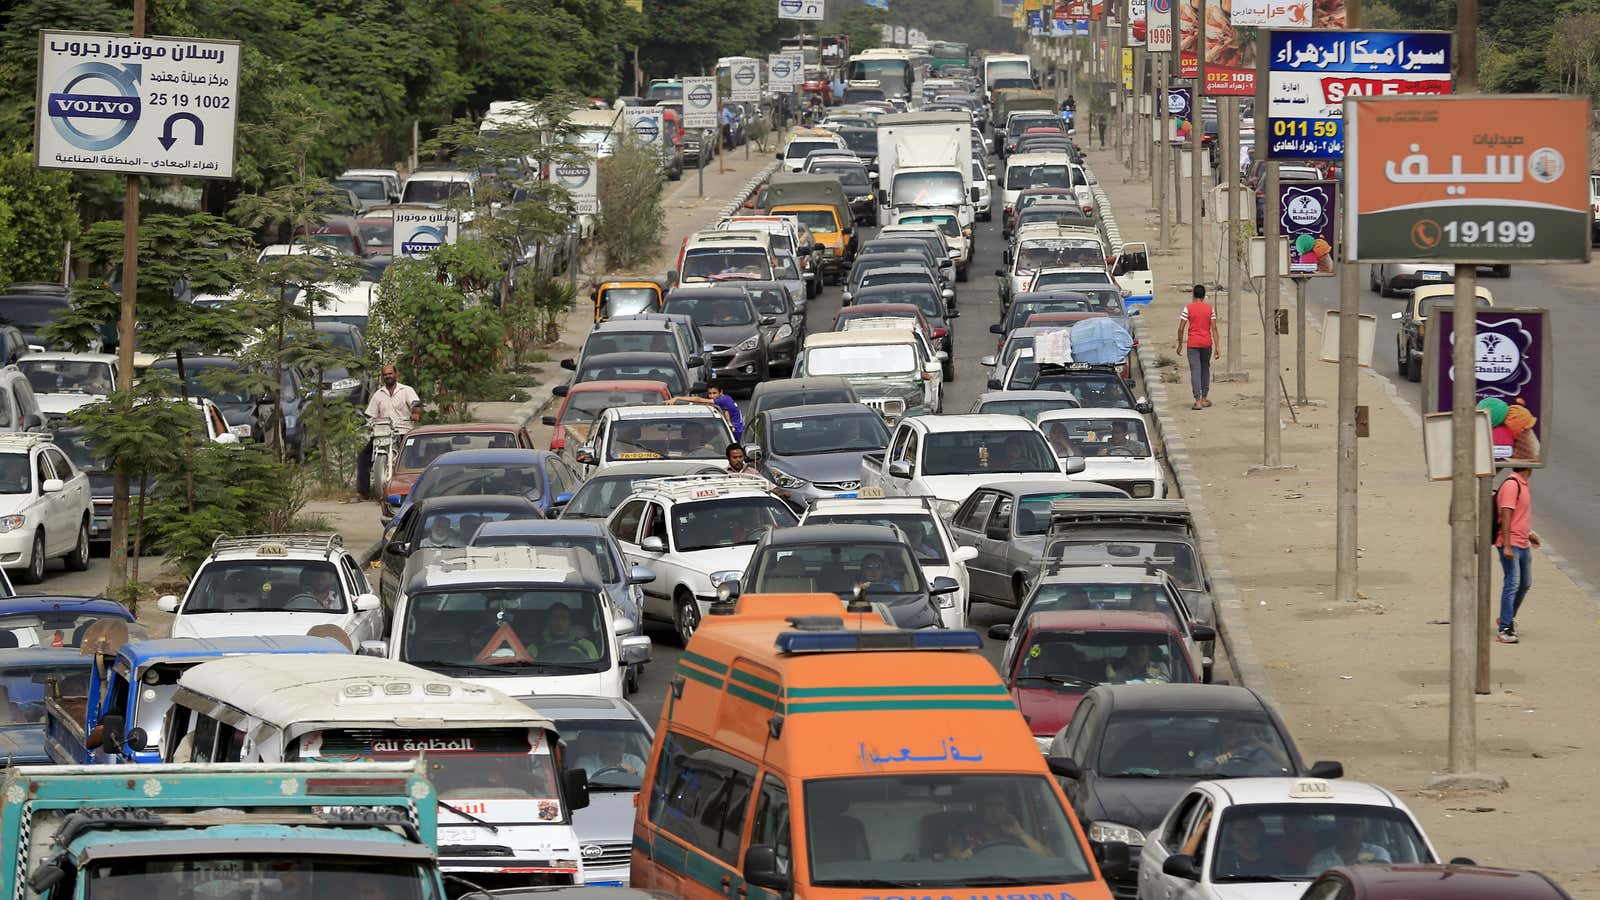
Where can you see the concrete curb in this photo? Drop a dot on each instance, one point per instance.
(1231, 631)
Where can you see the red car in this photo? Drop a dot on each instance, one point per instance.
(582, 404)
(1061, 655)
(1457, 881)
(425, 442)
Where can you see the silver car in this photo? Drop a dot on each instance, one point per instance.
(1389, 279)
(610, 741)
(814, 452)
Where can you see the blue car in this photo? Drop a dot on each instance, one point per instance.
(543, 477)
(24, 683)
(53, 621)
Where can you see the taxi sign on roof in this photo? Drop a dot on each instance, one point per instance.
(706, 492)
(1311, 789)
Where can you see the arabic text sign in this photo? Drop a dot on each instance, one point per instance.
(582, 181)
(419, 230)
(1309, 210)
(745, 80)
(1271, 13)
(1230, 50)
(1514, 362)
(1158, 26)
(810, 10)
(700, 102)
(781, 74)
(1485, 179)
(1127, 68)
(1188, 15)
(1309, 75)
(646, 125)
(153, 106)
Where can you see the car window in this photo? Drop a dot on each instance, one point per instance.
(978, 512)
(625, 527)
(700, 795)
(655, 522)
(62, 466)
(1000, 518)
(771, 823)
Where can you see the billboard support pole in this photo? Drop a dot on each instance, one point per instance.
(1161, 110)
(1230, 150)
(1158, 119)
(1272, 372)
(700, 163)
(1346, 471)
(1197, 249)
(1300, 284)
(1486, 611)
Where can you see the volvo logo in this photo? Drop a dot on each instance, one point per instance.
(119, 105)
(573, 175)
(424, 240)
(701, 96)
(592, 851)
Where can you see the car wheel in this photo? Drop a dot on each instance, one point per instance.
(1385, 289)
(685, 616)
(961, 273)
(34, 573)
(1414, 369)
(78, 559)
(1372, 279)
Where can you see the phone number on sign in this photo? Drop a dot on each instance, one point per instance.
(1489, 232)
(202, 101)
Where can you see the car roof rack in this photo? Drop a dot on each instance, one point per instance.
(318, 543)
(694, 487)
(1066, 513)
(25, 439)
(1055, 565)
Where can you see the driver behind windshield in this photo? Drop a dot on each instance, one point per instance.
(1124, 436)
(607, 750)
(560, 631)
(321, 586)
(995, 824)
(873, 575)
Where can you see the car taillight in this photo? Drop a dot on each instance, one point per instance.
(558, 443)
(939, 332)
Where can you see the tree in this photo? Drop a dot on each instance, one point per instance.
(631, 217)
(38, 216)
(447, 343)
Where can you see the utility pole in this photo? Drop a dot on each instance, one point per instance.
(1301, 282)
(125, 339)
(1165, 113)
(1158, 115)
(1231, 162)
(1347, 471)
(1271, 399)
(1197, 242)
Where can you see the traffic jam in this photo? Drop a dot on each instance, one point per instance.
(799, 599)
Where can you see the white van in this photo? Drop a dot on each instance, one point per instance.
(523, 620)
(505, 802)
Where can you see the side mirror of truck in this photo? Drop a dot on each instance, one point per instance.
(167, 603)
(761, 869)
(575, 784)
(137, 739)
(111, 733)
(900, 469)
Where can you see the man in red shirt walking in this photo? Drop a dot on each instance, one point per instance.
(1197, 333)
(1515, 537)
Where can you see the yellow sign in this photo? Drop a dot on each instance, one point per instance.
(1127, 67)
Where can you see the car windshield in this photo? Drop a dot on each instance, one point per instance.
(429, 190)
(862, 359)
(676, 437)
(837, 569)
(16, 474)
(617, 341)
(469, 479)
(31, 313)
(217, 382)
(58, 376)
(710, 264)
(478, 764)
(820, 221)
(727, 522)
(1198, 744)
(786, 268)
(378, 235)
(1021, 177)
(938, 830)
(919, 528)
(1080, 659)
(1022, 309)
(714, 312)
(1035, 255)
(621, 301)
(802, 149)
(930, 189)
(421, 449)
(505, 631)
(455, 529)
(1070, 280)
(601, 494)
(771, 301)
(365, 188)
(286, 875)
(1173, 557)
(1033, 517)
(665, 373)
(1029, 409)
(861, 141)
(1080, 596)
(849, 175)
(979, 453)
(75, 444)
(593, 544)
(877, 279)
(1098, 437)
(266, 585)
(583, 407)
(1299, 841)
(1092, 391)
(23, 689)
(924, 298)
(947, 224)
(611, 751)
(832, 434)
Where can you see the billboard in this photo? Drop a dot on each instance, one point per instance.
(1188, 12)
(1308, 211)
(419, 230)
(1158, 26)
(1486, 179)
(1136, 27)
(811, 10)
(700, 102)
(1271, 13)
(1310, 73)
(1230, 50)
(1514, 363)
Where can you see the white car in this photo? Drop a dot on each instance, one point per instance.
(1114, 444)
(45, 506)
(1267, 838)
(694, 532)
(984, 182)
(928, 535)
(657, 431)
(62, 382)
(949, 457)
(277, 584)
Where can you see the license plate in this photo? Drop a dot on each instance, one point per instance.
(1431, 276)
(846, 496)
(602, 884)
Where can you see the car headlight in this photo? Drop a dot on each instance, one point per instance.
(345, 384)
(726, 575)
(1144, 489)
(1106, 832)
(784, 479)
(12, 523)
(749, 343)
(784, 332)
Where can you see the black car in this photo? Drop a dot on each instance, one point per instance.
(441, 523)
(839, 559)
(223, 380)
(864, 143)
(29, 307)
(343, 382)
(910, 244)
(1100, 387)
(787, 334)
(929, 303)
(857, 187)
(732, 327)
(666, 368)
(1132, 750)
(799, 392)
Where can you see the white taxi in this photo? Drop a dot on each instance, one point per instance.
(694, 532)
(1268, 838)
(928, 535)
(1114, 444)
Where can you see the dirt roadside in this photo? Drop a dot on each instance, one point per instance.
(1367, 683)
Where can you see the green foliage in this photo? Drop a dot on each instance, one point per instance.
(861, 23)
(533, 313)
(446, 344)
(631, 216)
(37, 218)
(687, 36)
(239, 489)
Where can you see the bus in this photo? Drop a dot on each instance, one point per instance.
(891, 68)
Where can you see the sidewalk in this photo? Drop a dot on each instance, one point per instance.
(1368, 683)
(686, 213)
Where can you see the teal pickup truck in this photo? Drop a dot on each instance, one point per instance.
(219, 830)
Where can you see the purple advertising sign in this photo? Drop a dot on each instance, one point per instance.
(1515, 359)
(1309, 210)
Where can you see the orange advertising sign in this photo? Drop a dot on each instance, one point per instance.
(1468, 179)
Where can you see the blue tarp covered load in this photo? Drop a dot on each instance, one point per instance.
(1100, 342)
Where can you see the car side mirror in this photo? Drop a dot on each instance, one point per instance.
(778, 155)
(992, 384)
(943, 584)
(635, 650)
(575, 785)
(997, 328)
(584, 454)
(111, 733)
(696, 362)
(52, 485)
(948, 294)
(1326, 768)
(769, 320)
(571, 365)
(167, 603)
(1143, 407)
(1181, 865)
(1204, 634)
(641, 575)
(561, 499)
(987, 361)
(548, 420)
(367, 602)
(761, 869)
(1397, 316)
(653, 544)
(974, 195)
(137, 740)
(1001, 632)
(1064, 766)
(399, 548)
(560, 390)
(1135, 311)
(379, 649)
(964, 554)
(900, 469)
(1072, 465)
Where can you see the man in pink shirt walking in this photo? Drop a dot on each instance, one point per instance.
(1514, 535)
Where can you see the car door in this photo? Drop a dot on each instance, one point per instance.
(994, 544)
(75, 500)
(51, 504)
(624, 528)
(393, 562)
(1184, 829)
(984, 567)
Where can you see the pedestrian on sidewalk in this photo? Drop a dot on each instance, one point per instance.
(1515, 537)
(1197, 334)
(1100, 125)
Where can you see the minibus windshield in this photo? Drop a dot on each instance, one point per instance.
(463, 763)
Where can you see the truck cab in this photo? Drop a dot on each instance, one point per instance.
(925, 160)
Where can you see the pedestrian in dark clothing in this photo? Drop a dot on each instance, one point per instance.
(1100, 124)
(1515, 537)
(1197, 336)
